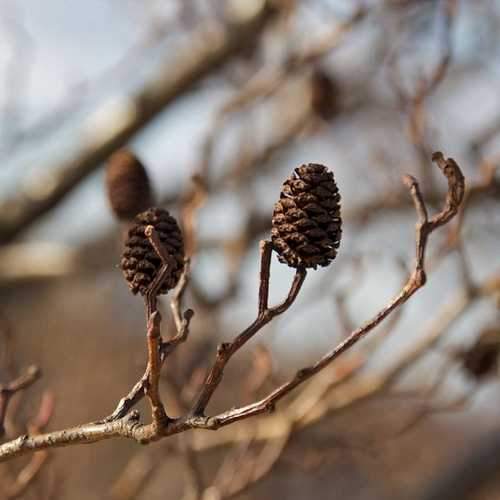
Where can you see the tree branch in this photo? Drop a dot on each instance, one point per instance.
(31, 470)
(226, 350)
(130, 427)
(416, 280)
(7, 391)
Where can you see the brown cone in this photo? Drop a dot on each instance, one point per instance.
(324, 95)
(140, 262)
(481, 359)
(127, 183)
(306, 221)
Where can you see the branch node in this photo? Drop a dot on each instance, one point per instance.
(22, 439)
(223, 349)
(154, 323)
(271, 407)
(409, 181)
(303, 372)
(420, 278)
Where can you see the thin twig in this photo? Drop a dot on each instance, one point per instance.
(139, 470)
(195, 483)
(130, 426)
(182, 321)
(415, 103)
(7, 391)
(30, 471)
(154, 363)
(416, 280)
(154, 335)
(340, 386)
(265, 314)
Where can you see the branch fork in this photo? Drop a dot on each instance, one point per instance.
(22, 382)
(125, 423)
(265, 314)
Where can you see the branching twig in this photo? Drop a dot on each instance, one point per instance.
(28, 473)
(182, 321)
(340, 386)
(417, 279)
(154, 365)
(138, 470)
(415, 102)
(194, 484)
(226, 350)
(7, 391)
(130, 427)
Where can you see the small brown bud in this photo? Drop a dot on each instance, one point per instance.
(140, 262)
(306, 224)
(128, 187)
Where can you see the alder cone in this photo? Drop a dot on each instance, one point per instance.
(482, 358)
(324, 95)
(140, 262)
(127, 184)
(306, 225)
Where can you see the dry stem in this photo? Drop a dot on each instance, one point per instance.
(265, 314)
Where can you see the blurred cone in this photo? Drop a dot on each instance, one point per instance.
(128, 187)
(324, 95)
(481, 359)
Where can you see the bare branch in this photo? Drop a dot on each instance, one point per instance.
(7, 391)
(28, 473)
(138, 470)
(194, 484)
(182, 321)
(154, 365)
(129, 425)
(415, 102)
(83, 434)
(226, 350)
(415, 282)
